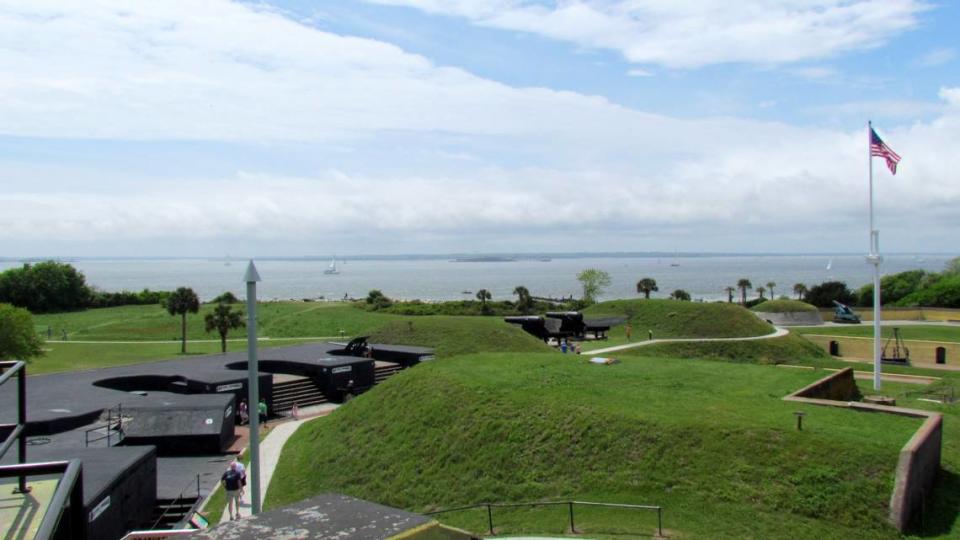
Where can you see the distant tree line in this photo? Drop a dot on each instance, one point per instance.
(51, 286)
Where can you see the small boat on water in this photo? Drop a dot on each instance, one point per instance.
(332, 269)
(466, 292)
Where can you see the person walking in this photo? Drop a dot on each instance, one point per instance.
(262, 410)
(629, 331)
(244, 411)
(231, 486)
(295, 412)
(238, 466)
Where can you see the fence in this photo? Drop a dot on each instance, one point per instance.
(569, 504)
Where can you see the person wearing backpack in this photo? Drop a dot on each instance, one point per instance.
(231, 485)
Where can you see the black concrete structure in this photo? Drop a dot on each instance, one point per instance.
(332, 516)
(119, 486)
(193, 426)
(404, 355)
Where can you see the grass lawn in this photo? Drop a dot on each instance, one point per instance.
(909, 332)
(783, 306)
(70, 356)
(789, 349)
(676, 319)
(148, 323)
(710, 441)
(450, 335)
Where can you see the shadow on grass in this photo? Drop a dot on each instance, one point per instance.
(942, 507)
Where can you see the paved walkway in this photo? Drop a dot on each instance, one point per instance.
(779, 333)
(270, 449)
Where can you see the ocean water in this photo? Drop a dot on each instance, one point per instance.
(704, 277)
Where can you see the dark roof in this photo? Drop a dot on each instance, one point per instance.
(326, 516)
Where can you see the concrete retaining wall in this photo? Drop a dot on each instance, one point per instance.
(916, 472)
(792, 318)
(840, 386)
(901, 314)
(921, 352)
(919, 460)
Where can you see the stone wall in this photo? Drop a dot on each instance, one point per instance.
(919, 460)
(921, 352)
(916, 472)
(839, 386)
(792, 318)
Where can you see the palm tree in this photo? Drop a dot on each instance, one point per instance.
(181, 302)
(680, 294)
(760, 291)
(799, 289)
(483, 295)
(524, 301)
(770, 286)
(743, 284)
(646, 286)
(223, 319)
(730, 291)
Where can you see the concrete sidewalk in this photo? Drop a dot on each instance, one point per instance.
(779, 333)
(270, 449)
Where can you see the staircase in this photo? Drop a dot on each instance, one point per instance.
(385, 370)
(172, 513)
(303, 391)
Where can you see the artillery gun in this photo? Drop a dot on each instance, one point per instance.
(843, 314)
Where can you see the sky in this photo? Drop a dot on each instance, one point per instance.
(304, 128)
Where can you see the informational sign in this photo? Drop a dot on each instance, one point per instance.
(229, 387)
(343, 369)
(99, 509)
(226, 413)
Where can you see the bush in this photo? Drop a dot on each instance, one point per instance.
(227, 298)
(99, 299)
(824, 294)
(892, 288)
(944, 292)
(18, 339)
(45, 287)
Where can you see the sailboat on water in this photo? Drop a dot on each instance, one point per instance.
(332, 269)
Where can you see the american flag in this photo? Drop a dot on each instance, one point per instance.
(880, 148)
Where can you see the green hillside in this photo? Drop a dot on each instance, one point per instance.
(789, 349)
(458, 335)
(783, 306)
(723, 459)
(677, 319)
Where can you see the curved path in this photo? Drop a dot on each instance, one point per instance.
(780, 332)
(270, 450)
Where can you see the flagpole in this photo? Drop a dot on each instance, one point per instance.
(875, 259)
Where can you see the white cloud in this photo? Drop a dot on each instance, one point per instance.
(689, 34)
(637, 72)
(890, 109)
(937, 57)
(580, 168)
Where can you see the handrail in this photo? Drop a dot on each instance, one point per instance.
(18, 367)
(70, 485)
(178, 499)
(86, 434)
(569, 504)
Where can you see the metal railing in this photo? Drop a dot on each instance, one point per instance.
(69, 488)
(18, 368)
(179, 498)
(108, 427)
(569, 504)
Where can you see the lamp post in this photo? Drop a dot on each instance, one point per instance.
(253, 386)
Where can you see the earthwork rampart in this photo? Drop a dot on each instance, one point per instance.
(919, 460)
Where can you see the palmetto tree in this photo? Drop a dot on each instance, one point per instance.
(180, 302)
(524, 300)
(760, 291)
(799, 289)
(730, 291)
(743, 284)
(223, 319)
(770, 286)
(646, 286)
(483, 295)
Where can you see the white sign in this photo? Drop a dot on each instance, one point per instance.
(226, 413)
(229, 387)
(343, 369)
(99, 509)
